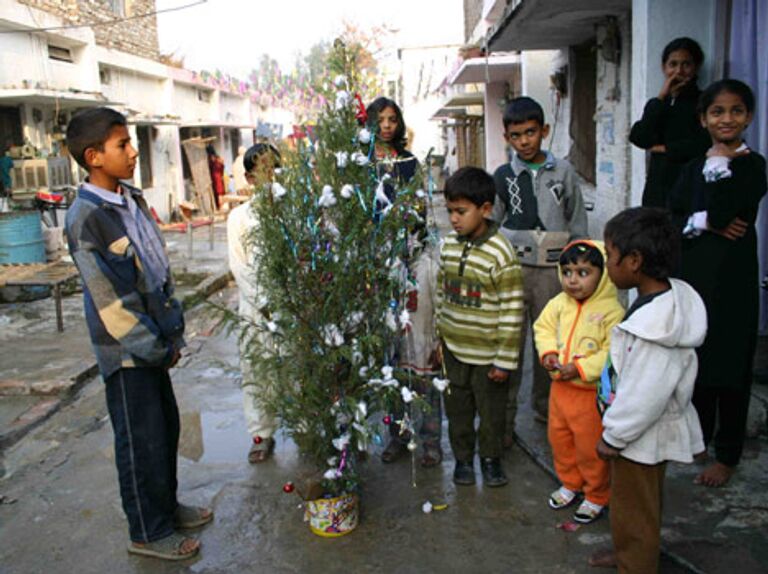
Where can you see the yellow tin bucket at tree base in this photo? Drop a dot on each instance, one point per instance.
(333, 517)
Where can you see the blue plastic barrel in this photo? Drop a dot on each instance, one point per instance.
(21, 237)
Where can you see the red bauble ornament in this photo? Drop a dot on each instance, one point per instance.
(387, 420)
(288, 487)
(257, 440)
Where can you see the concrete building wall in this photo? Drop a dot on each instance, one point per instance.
(141, 92)
(612, 116)
(187, 101)
(496, 152)
(473, 12)
(235, 109)
(654, 24)
(25, 60)
(136, 36)
(537, 67)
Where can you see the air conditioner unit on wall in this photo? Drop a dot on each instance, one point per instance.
(41, 174)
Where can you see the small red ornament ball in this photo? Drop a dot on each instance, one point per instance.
(257, 440)
(387, 420)
(288, 487)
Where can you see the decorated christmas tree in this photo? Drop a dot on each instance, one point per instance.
(336, 238)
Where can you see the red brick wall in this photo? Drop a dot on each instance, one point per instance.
(138, 36)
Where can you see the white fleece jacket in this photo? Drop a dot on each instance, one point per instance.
(652, 418)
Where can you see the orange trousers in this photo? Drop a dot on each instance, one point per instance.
(574, 429)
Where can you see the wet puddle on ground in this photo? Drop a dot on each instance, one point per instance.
(212, 437)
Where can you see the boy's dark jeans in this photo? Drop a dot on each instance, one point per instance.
(471, 393)
(145, 420)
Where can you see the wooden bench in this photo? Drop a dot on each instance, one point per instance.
(52, 275)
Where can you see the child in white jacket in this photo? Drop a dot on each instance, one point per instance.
(648, 383)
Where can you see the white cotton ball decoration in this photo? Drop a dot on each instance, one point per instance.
(342, 159)
(327, 199)
(278, 190)
(331, 474)
(342, 99)
(360, 158)
(440, 384)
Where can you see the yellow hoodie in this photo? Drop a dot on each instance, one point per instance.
(580, 331)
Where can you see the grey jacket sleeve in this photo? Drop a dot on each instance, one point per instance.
(575, 211)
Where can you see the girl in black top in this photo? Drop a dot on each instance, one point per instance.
(715, 202)
(670, 128)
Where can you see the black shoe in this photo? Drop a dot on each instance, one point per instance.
(464, 473)
(493, 474)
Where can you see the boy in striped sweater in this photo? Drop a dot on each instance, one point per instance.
(479, 316)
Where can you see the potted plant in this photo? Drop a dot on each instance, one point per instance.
(333, 253)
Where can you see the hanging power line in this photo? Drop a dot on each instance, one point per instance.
(107, 22)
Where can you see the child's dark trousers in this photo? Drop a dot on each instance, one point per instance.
(472, 392)
(145, 420)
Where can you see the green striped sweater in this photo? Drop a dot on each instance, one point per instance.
(480, 299)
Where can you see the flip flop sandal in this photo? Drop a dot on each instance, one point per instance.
(588, 512)
(191, 516)
(260, 452)
(168, 548)
(393, 451)
(561, 498)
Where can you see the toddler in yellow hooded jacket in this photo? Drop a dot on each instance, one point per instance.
(573, 336)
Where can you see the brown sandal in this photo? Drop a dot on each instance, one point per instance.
(168, 548)
(261, 451)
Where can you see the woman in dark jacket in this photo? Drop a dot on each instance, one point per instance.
(670, 129)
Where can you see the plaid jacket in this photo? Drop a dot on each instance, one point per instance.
(130, 326)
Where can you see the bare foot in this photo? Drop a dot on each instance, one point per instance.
(604, 558)
(715, 475)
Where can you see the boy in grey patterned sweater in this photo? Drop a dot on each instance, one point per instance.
(540, 209)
